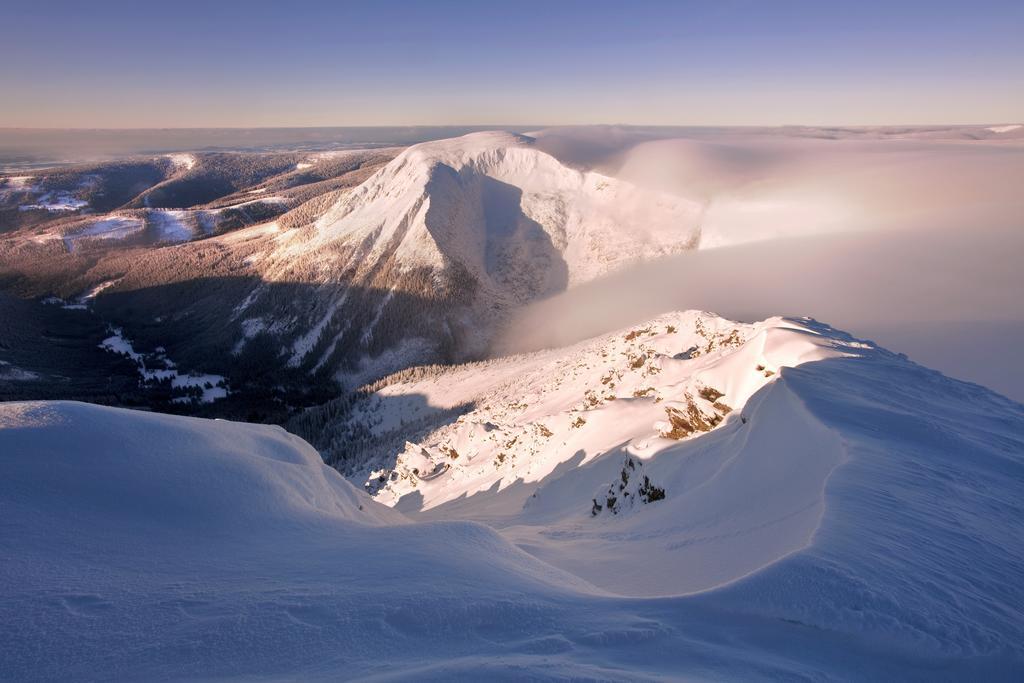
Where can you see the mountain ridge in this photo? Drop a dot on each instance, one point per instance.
(823, 526)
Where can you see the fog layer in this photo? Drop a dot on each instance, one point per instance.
(915, 244)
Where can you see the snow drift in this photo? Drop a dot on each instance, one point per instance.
(149, 546)
(852, 514)
(782, 467)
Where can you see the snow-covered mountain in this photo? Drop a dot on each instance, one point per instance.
(510, 214)
(325, 265)
(368, 263)
(804, 504)
(641, 390)
(823, 479)
(453, 234)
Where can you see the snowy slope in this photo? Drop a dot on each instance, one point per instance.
(145, 546)
(534, 412)
(853, 516)
(847, 489)
(453, 235)
(564, 435)
(495, 204)
(560, 437)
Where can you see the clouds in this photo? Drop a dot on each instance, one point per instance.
(916, 242)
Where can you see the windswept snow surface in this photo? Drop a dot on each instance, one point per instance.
(855, 516)
(553, 431)
(832, 448)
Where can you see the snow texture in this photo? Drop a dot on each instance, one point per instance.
(854, 516)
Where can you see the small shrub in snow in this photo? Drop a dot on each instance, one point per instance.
(632, 488)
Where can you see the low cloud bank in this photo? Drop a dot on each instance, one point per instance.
(926, 260)
(942, 282)
(911, 287)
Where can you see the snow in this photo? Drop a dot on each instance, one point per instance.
(516, 218)
(830, 509)
(179, 524)
(172, 225)
(245, 304)
(81, 303)
(249, 202)
(94, 292)
(486, 208)
(210, 393)
(213, 386)
(116, 343)
(253, 326)
(855, 515)
(56, 201)
(837, 492)
(17, 181)
(1004, 129)
(11, 373)
(15, 185)
(401, 355)
(112, 228)
(550, 433)
(305, 343)
(326, 356)
(53, 201)
(183, 162)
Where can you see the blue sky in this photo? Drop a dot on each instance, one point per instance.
(121, 64)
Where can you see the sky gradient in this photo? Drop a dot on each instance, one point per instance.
(196, 64)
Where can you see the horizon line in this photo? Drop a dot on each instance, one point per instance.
(507, 125)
